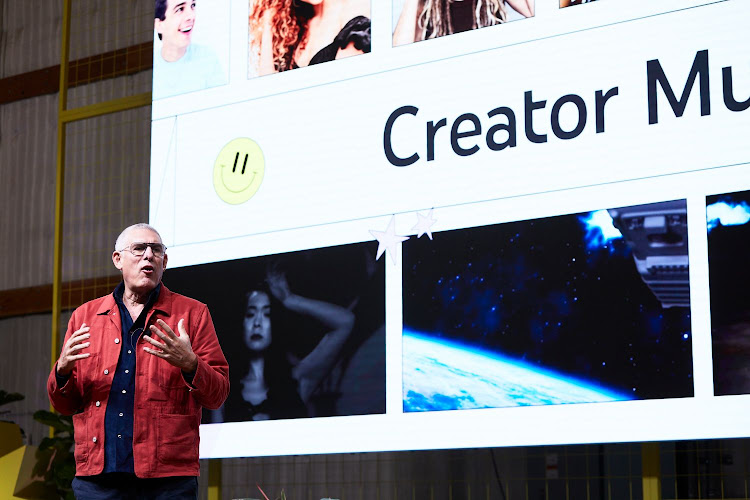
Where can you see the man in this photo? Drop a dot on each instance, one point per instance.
(180, 66)
(135, 370)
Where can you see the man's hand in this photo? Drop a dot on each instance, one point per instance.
(71, 351)
(176, 350)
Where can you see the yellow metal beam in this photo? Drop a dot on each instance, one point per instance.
(60, 184)
(651, 468)
(214, 479)
(107, 107)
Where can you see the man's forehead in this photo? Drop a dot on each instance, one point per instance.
(141, 235)
(172, 4)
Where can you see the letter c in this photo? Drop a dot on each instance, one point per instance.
(388, 147)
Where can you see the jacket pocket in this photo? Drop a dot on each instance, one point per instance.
(81, 438)
(177, 440)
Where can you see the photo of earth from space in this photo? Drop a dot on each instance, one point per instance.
(547, 311)
(445, 376)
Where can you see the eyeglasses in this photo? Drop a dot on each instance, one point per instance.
(138, 249)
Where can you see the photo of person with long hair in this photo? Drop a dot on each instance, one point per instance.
(303, 332)
(288, 34)
(425, 19)
(270, 387)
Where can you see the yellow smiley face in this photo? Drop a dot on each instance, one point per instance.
(238, 170)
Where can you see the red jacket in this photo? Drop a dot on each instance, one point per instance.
(167, 410)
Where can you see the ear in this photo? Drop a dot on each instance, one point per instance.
(164, 261)
(117, 260)
(157, 25)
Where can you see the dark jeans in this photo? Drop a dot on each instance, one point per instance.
(119, 486)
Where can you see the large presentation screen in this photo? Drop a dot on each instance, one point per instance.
(425, 224)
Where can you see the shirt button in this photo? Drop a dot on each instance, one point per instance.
(119, 436)
(94, 439)
(117, 341)
(129, 351)
(121, 414)
(106, 372)
(98, 403)
(127, 371)
(123, 391)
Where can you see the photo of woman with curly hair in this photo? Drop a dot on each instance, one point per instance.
(288, 34)
(425, 19)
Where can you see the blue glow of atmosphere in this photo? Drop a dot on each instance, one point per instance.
(727, 214)
(494, 355)
(600, 229)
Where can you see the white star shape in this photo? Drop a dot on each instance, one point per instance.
(424, 223)
(388, 239)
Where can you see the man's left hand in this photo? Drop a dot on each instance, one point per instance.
(175, 349)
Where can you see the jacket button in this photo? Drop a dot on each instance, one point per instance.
(98, 403)
(106, 372)
(94, 439)
(117, 341)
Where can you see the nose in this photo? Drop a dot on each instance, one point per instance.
(148, 254)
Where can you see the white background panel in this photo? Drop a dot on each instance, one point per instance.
(327, 182)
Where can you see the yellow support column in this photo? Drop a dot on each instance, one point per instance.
(214, 479)
(62, 104)
(651, 469)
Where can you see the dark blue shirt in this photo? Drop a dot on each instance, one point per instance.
(118, 419)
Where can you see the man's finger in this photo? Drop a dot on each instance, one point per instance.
(166, 328)
(78, 347)
(154, 342)
(79, 356)
(155, 353)
(76, 340)
(181, 328)
(161, 335)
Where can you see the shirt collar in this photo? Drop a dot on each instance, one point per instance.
(152, 297)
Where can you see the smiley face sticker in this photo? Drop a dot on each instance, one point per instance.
(238, 170)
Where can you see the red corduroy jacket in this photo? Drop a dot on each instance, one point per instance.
(167, 410)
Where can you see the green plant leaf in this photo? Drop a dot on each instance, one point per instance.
(10, 397)
(58, 422)
(47, 443)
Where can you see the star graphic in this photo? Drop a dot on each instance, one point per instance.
(423, 225)
(388, 239)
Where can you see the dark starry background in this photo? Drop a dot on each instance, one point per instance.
(533, 291)
(729, 275)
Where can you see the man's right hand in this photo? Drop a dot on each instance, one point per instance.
(71, 352)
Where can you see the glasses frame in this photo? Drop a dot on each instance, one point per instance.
(148, 245)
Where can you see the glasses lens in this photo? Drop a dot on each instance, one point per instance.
(138, 249)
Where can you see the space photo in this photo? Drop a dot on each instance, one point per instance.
(728, 226)
(303, 332)
(579, 308)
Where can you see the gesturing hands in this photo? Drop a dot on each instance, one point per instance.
(175, 349)
(72, 350)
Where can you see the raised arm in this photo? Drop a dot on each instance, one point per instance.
(523, 7)
(316, 365)
(406, 27)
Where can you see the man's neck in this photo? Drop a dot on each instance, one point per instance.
(172, 54)
(134, 298)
